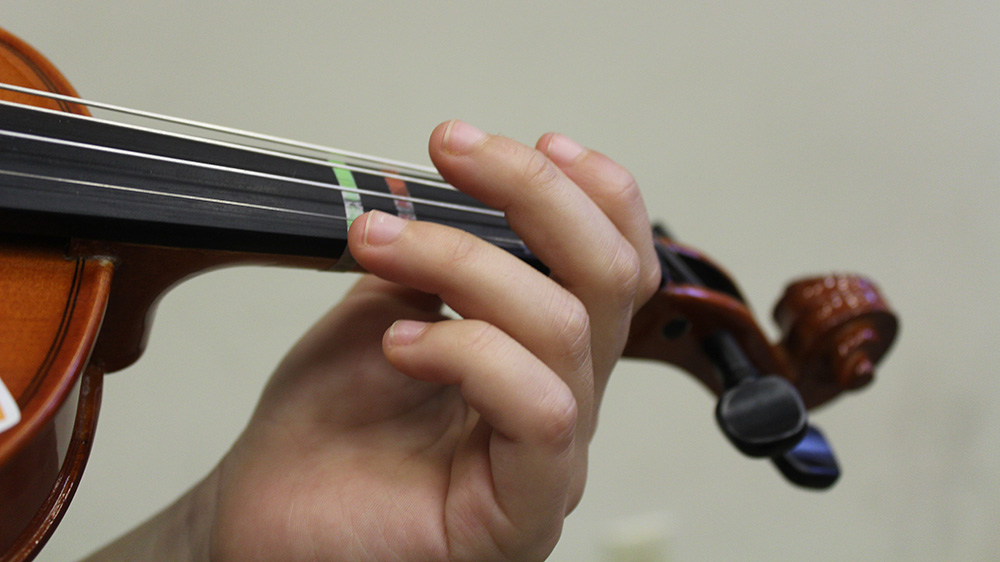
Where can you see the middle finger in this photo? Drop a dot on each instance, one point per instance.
(481, 281)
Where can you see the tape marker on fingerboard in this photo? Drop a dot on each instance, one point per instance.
(404, 208)
(10, 414)
(352, 210)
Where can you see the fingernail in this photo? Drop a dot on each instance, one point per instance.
(562, 150)
(382, 228)
(461, 138)
(403, 332)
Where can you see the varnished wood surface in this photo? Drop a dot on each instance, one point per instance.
(704, 311)
(50, 312)
(834, 330)
(22, 65)
(51, 308)
(143, 274)
(39, 520)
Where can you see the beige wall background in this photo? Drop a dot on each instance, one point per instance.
(781, 137)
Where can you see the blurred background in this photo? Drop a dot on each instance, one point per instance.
(782, 138)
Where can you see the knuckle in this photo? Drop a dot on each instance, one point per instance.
(624, 271)
(573, 330)
(613, 180)
(577, 484)
(650, 283)
(539, 171)
(462, 251)
(623, 187)
(559, 414)
(481, 338)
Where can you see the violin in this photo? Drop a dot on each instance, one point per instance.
(99, 219)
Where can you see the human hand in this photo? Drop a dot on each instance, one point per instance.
(393, 433)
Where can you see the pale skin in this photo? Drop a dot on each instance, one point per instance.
(390, 432)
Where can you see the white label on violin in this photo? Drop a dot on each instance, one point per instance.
(10, 414)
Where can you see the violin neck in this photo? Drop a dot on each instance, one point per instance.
(81, 178)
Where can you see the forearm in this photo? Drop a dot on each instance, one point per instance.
(178, 533)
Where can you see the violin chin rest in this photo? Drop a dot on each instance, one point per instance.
(762, 417)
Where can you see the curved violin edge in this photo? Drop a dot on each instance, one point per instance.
(22, 65)
(144, 274)
(52, 312)
(41, 526)
(48, 326)
(45, 346)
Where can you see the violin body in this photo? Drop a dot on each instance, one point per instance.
(73, 309)
(51, 307)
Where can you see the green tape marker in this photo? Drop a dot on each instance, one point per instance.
(352, 210)
(352, 199)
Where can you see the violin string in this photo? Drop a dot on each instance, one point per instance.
(498, 240)
(198, 198)
(430, 179)
(305, 159)
(262, 175)
(245, 148)
(427, 171)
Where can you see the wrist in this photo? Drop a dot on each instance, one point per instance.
(181, 532)
(196, 517)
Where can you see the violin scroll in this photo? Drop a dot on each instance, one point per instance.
(835, 329)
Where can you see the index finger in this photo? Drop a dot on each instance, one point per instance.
(557, 220)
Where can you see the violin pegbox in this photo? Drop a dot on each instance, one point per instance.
(834, 330)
